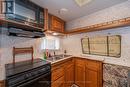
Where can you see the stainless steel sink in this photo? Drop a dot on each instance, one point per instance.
(57, 57)
(63, 56)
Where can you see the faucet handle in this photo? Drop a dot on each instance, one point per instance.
(54, 53)
(65, 52)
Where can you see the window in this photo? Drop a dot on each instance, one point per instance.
(50, 43)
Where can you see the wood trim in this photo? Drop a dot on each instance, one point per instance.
(1, 6)
(102, 26)
(21, 51)
(46, 19)
(101, 74)
(1, 15)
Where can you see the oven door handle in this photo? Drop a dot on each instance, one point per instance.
(29, 82)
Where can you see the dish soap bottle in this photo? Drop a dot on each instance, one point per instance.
(44, 56)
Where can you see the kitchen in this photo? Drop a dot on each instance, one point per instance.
(64, 43)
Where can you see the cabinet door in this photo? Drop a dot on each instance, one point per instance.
(91, 78)
(69, 75)
(57, 24)
(2, 84)
(57, 73)
(80, 73)
(93, 74)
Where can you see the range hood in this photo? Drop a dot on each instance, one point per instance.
(25, 33)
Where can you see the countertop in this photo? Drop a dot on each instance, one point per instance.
(104, 60)
(80, 56)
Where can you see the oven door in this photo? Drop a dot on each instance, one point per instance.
(42, 81)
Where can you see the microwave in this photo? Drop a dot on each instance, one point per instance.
(23, 11)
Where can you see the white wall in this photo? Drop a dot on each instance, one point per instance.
(6, 47)
(118, 11)
(73, 43)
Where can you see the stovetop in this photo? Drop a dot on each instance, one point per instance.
(27, 72)
(20, 67)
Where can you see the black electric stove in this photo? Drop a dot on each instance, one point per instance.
(28, 74)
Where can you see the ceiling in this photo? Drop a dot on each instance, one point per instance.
(75, 11)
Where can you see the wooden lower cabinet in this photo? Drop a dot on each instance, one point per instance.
(88, 73)
(2, 84)
(63, 74)
(59, 82)
(93, 73)
(79, 71)
(57, 76)
(91, 78)
(69, 74)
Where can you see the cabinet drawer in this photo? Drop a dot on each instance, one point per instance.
(57, 73)
(92, 64)
(69, 62)
(59, 82)
(80, 62)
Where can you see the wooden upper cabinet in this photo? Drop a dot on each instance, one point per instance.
(80, 72)
(56, 24)
(0, 6)
(93, 73)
